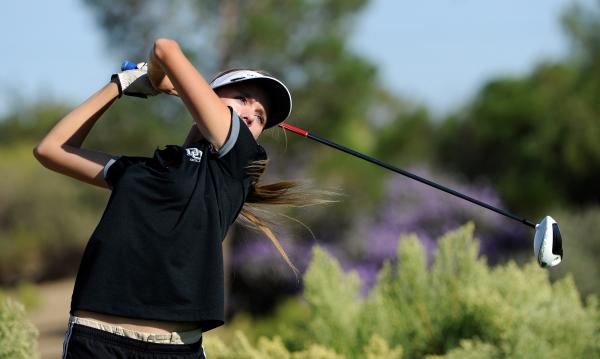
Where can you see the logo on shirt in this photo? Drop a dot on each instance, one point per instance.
(194, 153)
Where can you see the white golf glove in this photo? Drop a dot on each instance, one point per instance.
(135, 82)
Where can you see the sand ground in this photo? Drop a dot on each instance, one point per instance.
(52, 315)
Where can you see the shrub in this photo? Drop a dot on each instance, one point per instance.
(240, 348)
(581, 243)
(18, 337)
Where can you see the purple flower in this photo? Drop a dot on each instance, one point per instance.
(411, 207)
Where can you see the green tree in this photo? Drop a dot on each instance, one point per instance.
(536, 138)
(305, 42)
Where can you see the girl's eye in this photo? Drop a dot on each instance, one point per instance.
(261, 119)
(242, 98)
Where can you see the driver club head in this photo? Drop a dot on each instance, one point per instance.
(547, 243)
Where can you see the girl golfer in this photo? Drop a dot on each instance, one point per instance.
(151, 278)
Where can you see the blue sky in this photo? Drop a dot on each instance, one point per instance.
(435, 52)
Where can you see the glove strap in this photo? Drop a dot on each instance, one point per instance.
(115, 78)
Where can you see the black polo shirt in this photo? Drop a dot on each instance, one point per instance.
(156, 253)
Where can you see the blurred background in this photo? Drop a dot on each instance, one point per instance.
(496, 99)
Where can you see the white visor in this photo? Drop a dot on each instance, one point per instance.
(281, 99)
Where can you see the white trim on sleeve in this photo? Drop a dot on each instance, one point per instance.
(233, 135)
(108, 164)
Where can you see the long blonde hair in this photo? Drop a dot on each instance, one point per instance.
(283, 193)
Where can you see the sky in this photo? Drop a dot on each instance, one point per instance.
(437, 53)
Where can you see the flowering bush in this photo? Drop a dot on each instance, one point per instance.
(411, 207)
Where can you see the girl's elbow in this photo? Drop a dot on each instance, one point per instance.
(40, 153)
(45, 151)
(164, 46)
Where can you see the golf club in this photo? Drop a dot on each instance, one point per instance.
(547, 243)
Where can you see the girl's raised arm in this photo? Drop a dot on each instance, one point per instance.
(211, 116)
(60, 150)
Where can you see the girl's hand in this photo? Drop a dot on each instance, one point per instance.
(159, 79)
(134, 82)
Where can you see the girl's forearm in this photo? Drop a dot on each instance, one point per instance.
(60, 150)
(210, 114)
(74, 127)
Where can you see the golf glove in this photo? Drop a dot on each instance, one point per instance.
(135, 82)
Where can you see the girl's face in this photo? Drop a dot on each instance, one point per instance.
(249, 101)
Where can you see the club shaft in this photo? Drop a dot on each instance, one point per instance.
(350, 151)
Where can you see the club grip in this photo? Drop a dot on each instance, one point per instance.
(128, 65)
(294, 129)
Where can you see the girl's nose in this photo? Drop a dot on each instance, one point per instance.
(248, 119)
